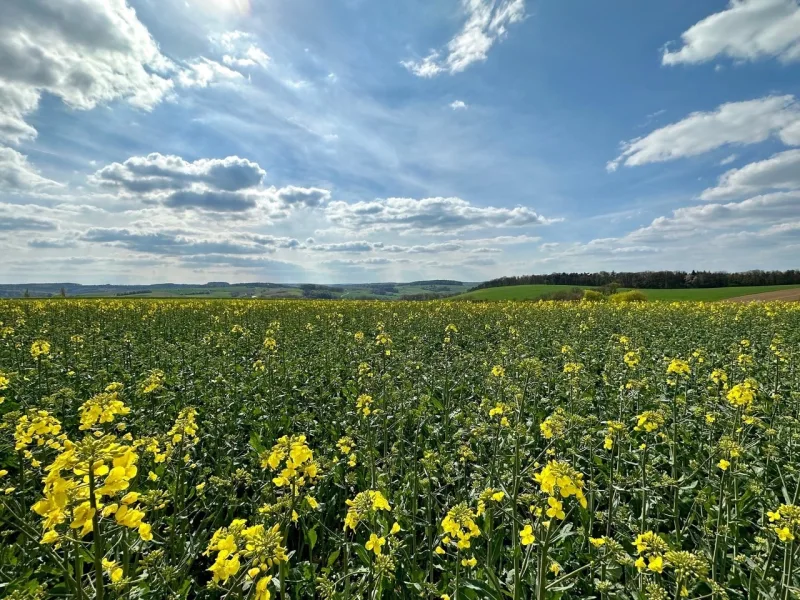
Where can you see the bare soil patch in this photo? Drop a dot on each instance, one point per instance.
(792, 295)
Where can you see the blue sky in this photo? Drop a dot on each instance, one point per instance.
(362, 140)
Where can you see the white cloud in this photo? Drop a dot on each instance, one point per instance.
(182, 242)
(202, 72)
(223, 185)
(458, 105)
(16, 102)
(356, 246)
(736, 123)
(728, 160)
(434, 248)
(240, 50)
(779, 172)
(373, 261)
(428, 215)
(486, 22)
(697, 221)
(17, 174)
(159, 172)
(93, 52)
(292, 195)
(746, 30)
(89, 53)
(735, 235)
(427, 67)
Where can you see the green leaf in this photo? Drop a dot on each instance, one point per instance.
(311, 534)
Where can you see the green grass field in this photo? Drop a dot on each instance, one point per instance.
(514, 292)
(532, 292)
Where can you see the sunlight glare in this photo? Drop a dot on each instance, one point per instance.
(240, 7)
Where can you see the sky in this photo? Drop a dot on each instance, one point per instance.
(350, 141)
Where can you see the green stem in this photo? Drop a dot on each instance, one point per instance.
(99, 552)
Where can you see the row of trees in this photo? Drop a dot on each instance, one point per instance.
(654, 279)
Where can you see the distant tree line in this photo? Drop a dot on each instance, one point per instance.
(447, 282)
(654, 279)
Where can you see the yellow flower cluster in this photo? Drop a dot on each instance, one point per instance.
(742, 394)
(558, 477)
(345, 446)
(679, 367)
(362, 506)
(185, 427)
(631, 359)
(102, 408)
(5, 380)
(299, 466)
(459, 526)
(153, 382)
(113, 570)
(363, 403)
(270, 345)
(786, 521)
(39, 427)
(719, 377)
(260, 548)
(78, 481)
(651, 547)
(489, 494)
(40, 348)
(649, 420)
(615, 429)
(382, 339)
(555, 425)
(573, 368)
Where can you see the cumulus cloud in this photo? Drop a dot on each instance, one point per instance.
(486, 23)
(271, 240)
(299, 196)
(357, 246)
(458, 105)
(211, 200)
(159, 172)
(15, 223)
(230, 184)
(746, 30)
(696, 221)
(718, 235)
(52, 243)
(734, 123)
(350, 262)
(434, 248)
(428, 215)
(17, 174)
(89, 53)
(16, 102)
(779, 172)
(173, 243)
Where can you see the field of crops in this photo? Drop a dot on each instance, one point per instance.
(534, 292)
(291, 449)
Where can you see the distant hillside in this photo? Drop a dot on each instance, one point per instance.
(416, 290)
